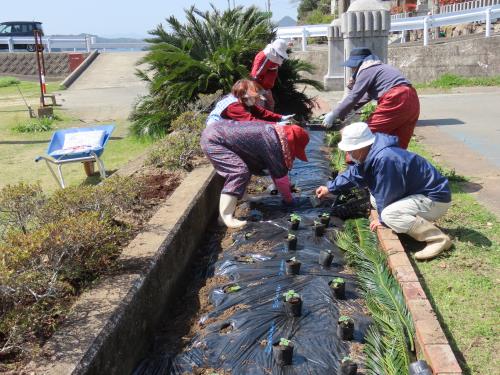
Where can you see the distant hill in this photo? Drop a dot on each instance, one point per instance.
(287, 21)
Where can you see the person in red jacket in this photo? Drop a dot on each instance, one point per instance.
(265, 68)
(241, 105)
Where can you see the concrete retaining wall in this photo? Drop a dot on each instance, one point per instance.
(110, 327)
(24, 63)
(469, 57)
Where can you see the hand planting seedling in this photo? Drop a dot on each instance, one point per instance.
(338, 286)
(345, 328)
(293, 303)
(291, 241)
(283, 352)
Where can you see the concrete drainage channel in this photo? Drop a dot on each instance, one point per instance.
(112, 327)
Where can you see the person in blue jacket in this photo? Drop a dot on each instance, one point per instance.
(406, 190)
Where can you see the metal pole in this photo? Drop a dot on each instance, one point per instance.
(41, 70)
(304, 39)
(426, 30)
(488, 23)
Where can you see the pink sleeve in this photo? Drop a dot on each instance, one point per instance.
(283, 186)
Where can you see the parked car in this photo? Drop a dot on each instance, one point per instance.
(20, 29)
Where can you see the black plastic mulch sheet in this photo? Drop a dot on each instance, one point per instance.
(242, 344)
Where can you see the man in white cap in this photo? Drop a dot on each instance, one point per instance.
(407, 191)
(265, 68)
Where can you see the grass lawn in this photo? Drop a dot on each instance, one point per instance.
(19, 150)
(448, 81)
(463, 283)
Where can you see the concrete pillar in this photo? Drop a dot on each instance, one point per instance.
(334, 78)
(366, 24)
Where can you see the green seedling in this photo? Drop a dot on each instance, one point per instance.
(248, 235)
(344, 320)
(290, 295)
(295, 217)
(338, 281)
(234, 288)
(317, 222)
(293, 259)
(346, 359)
(291, 236)
(284, 342)
(325, 214)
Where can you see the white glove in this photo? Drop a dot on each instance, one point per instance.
(287, 117)
(329, 119)
(283, 123)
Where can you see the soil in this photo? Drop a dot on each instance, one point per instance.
(260, 246)
(208, 371)
(159, 184)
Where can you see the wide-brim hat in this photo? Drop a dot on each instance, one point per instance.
(280, 46)
(356, 136)
(357, 56)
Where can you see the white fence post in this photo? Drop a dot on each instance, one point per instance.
(87, 42)
(304, 39)
(11, 45)
(49, 47)
(488, 23)
(426, 30)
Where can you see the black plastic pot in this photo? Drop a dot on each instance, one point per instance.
(420, 368)
(319, 229)
(325, 258)
(282, 354)
(294, 225)
(292, 268)
(291, 243)
(348, 368)
(293, 307)
(346, 330)
(324, 220)
(338, 290)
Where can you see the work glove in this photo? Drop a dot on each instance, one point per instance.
(329, 120)
(287, 117)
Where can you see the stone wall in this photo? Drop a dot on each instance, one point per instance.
(24, 64)
(474, 56)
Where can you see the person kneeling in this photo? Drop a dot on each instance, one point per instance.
(406, 190)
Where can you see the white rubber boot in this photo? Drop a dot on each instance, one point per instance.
(437, 241)
(227, 205)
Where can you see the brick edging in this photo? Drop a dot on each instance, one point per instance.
(430, 338)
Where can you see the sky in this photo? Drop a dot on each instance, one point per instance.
(117, 18)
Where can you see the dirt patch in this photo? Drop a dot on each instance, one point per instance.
(159, 184)
(208, 371)
(226, 314)
(260, 246)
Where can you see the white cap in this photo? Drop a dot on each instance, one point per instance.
(356, 136)
(280, 46)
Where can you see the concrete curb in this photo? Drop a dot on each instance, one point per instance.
(110, 326)
(68, 81)
(431, 341)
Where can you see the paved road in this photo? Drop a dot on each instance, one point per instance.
(106, 90)
(462, 131)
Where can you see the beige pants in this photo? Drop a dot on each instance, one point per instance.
(400, 215)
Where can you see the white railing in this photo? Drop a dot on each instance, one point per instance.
(467, 5)
(77, 43)
(487, 15)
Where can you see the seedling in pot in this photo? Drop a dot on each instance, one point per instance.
(295, 221)
(345, 328)
(338, 287)
(319, 228)
(244, 259)
(231, 288)
(293, 303)
(325, 258)
(348, 367)
(324, 218)
(291, 240)
(283, 352)
(292, 266)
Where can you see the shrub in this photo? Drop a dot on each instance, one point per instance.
(367, 111)
(176, 151)
(8, 81)
(207, 54)
(43, 124)
(189, 121)
(19, 204)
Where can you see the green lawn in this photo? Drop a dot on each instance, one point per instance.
(463, 283)
(448, 81)
(19, 150)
